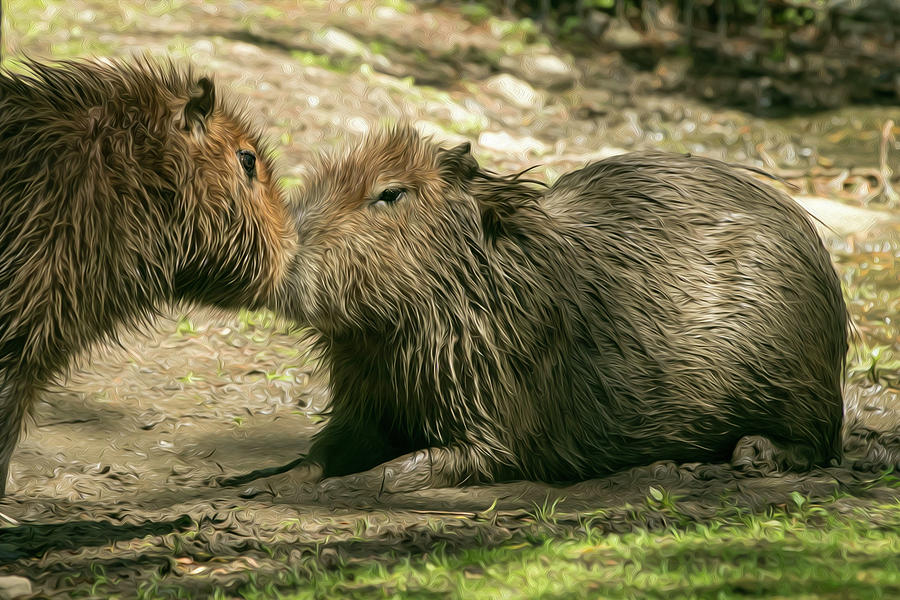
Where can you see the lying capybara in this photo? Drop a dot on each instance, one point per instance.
(477, 328)
(124, 186)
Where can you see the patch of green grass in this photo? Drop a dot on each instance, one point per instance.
(773, 554)
(256, 319)
(524, 30)
(190, 378)
(275, 376)
(331, 63)
(401, 6)
(270, 12)
(469, 126)
(49, 27)
(73, 48)
(476, 13)
(163, 7)
(185, 326)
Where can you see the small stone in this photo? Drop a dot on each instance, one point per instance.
(14, 587)
(504, 143)
(335, 41)
(386, 13)
(672, 71)
(206, 47)
(841, 219)
(544, 70)
(621, 35)
(597, 22)
(514, 91)
(150, 418)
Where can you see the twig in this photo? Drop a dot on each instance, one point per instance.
(888, 191)
(8, 519)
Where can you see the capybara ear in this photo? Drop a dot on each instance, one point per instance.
(494, 212)
(457, 163)
(200, 105)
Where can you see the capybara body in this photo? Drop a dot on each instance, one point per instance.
(124, 186)
(650, 306)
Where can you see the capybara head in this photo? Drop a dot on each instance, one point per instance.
(236, 248)
(390, 226)
(148, 157)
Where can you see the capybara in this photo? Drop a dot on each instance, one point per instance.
(478, 328)
(124, 186)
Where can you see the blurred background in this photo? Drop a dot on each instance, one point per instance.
(806, 88)
(119, 464)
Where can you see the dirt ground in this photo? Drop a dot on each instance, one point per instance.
(117, 475)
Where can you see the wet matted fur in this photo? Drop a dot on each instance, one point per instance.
(649, 306)
(124, 186)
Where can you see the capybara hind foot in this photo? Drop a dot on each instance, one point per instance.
(756, 455)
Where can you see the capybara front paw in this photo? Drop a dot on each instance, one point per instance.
(366, 485)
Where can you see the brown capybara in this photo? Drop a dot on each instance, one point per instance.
(478, 328)
(124, 186)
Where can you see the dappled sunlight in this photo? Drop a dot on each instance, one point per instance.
(115, 488)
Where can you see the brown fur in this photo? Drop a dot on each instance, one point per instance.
(649, 306)
(120, 191)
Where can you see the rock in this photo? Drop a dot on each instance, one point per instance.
(620, 35)
(386, 13)
(515, 91)
(544, 70)
(504, 143)
(334, 41)
(441, 135)
(14, 587)
(597, 22)
(672, 71)
(840, 219)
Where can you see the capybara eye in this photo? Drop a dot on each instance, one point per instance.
(248, 162)
(390, 195)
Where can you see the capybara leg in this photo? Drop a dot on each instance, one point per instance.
(14, 400)
(759, 455)
(336, 450)
(428, 468)
(343, 447)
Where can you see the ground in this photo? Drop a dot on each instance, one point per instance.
(114, 490)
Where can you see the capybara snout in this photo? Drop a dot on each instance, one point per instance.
(123, 187)
(476, 327)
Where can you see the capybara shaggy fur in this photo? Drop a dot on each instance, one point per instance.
(476, 328)
(124, 186)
